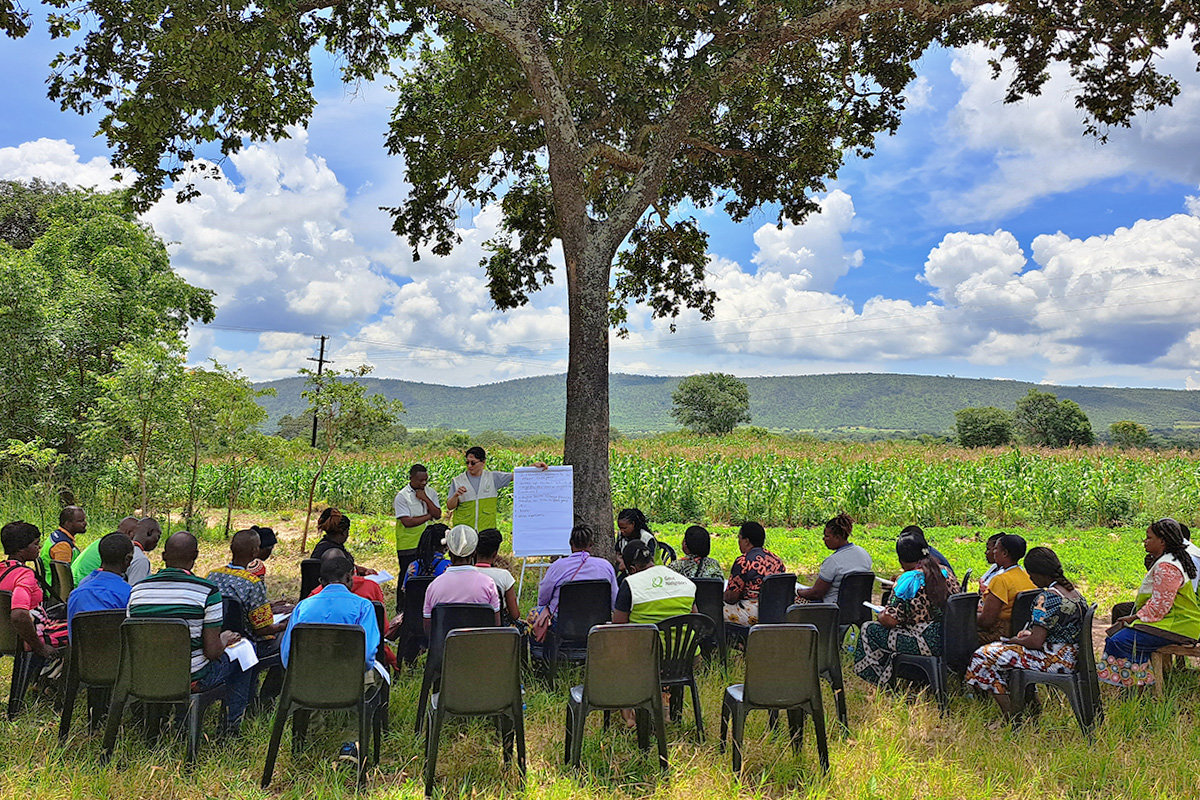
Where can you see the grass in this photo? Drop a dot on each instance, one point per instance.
(899, 746)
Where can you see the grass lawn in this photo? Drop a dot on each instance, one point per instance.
(898, 745)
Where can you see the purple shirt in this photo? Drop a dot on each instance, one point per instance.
(461, 584)
(581, 566)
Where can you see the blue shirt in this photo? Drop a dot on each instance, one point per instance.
(100, 591)
(335, 605)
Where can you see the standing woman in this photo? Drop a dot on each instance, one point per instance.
(912, 621)
(1048, 644)
(474, 493)
(1165, 610)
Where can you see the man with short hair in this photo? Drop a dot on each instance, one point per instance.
(335, 604)
(174, 592)
(461, 582)
(146, 534)
(88, 560)
(415, 506)
(104, 589)
(60, 545)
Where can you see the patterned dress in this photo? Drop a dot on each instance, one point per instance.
(690, 567)
(746, 577)
(918, 628)
(1061, 617)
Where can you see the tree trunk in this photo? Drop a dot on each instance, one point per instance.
(585, 446)
(143, 447)
(312, 489)
(193, 486)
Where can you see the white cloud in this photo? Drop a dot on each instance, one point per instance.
(813, 251)
(56, 161)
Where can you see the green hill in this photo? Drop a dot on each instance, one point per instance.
(821, 403)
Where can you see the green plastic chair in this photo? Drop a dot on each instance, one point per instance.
(1022, 613)
(63, 580)
(94, 662)
(445, 618)
(1082, 686)
(325, 672)
(156, 668)
(468, 691)
(782, 668)
(25, 663)
(621, 671)
(682, 636)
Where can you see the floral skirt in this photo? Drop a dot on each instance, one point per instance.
(990, 665)
(877, 645)
(743, 612)
(1126, 659)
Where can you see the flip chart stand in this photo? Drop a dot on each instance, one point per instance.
(539, 566)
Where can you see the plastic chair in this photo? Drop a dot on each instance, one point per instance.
(711, 603)
(776, 593)
(966, 580)
(681, 638)
(468, 691)
(1082, 687)
(960, 638)
(664, 554)
(411, 637)
(325, 673)
(824, 617)
(385, 691)
(94, 662)
(622, 671)
(310, 576)
(781, 675)
(581, 606)
(1022, 613)
(445, 618)
(1120, 610)
(26, 663)
(855, 589)
(156, 667)
(62, 580)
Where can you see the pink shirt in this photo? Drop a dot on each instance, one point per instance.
(20, 580)
(462, 584)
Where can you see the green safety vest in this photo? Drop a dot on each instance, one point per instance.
(1184, 617)
(658, 593)
(56, 537)
(409, 538)
(476, 510)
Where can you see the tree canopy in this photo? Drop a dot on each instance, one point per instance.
(983, 427)
(600, 124)
(1043, 419)
(711, 403)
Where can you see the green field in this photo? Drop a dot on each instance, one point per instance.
(898, 747)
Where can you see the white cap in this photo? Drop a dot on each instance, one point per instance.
(461, 540)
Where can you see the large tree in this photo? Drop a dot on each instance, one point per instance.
(597, 123)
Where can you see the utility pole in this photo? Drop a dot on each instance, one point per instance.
(321, 362)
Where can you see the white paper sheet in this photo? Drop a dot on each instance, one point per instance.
(278, 618)
(243, 654)
(543, 511)
(383, 576)
(382, 670)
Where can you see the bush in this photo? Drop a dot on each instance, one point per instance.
(983, 427)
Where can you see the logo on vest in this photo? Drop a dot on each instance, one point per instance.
(657, 582)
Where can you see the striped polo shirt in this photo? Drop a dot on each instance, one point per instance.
(178, 594)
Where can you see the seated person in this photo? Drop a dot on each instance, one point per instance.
(1048, 644)
(486, 553)
(1165, 610)
(174, 592)
(336, 605)
(266, 545)
(105, 588)
(359, 585)
(430, 561)
(695, 562)
(336, 527)
(996, 604)
(651, 592)
(461, 582)
(747, 573)
(30, 618)
(632, 526)
(581, 565)
(60, 545)
(911, 623)
(88, 560)
(990, 554)
(917, 531)
(146, 534)
(844, 559)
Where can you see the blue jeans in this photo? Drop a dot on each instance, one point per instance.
(224, 671)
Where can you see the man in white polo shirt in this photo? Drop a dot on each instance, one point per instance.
(461, 582)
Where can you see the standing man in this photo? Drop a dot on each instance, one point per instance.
(473, 494)
(60, 545)
(416, 505)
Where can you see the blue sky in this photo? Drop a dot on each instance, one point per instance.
(984, 239)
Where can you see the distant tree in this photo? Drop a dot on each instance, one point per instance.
(983, 427)
(1042, 419)
(1126, 434)
(711, 403)
(345, 417)
(21, 207)
(140, 411)
(295, 427)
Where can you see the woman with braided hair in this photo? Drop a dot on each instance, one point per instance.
(1165, 610)
(1048, 643)
(912, 621)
